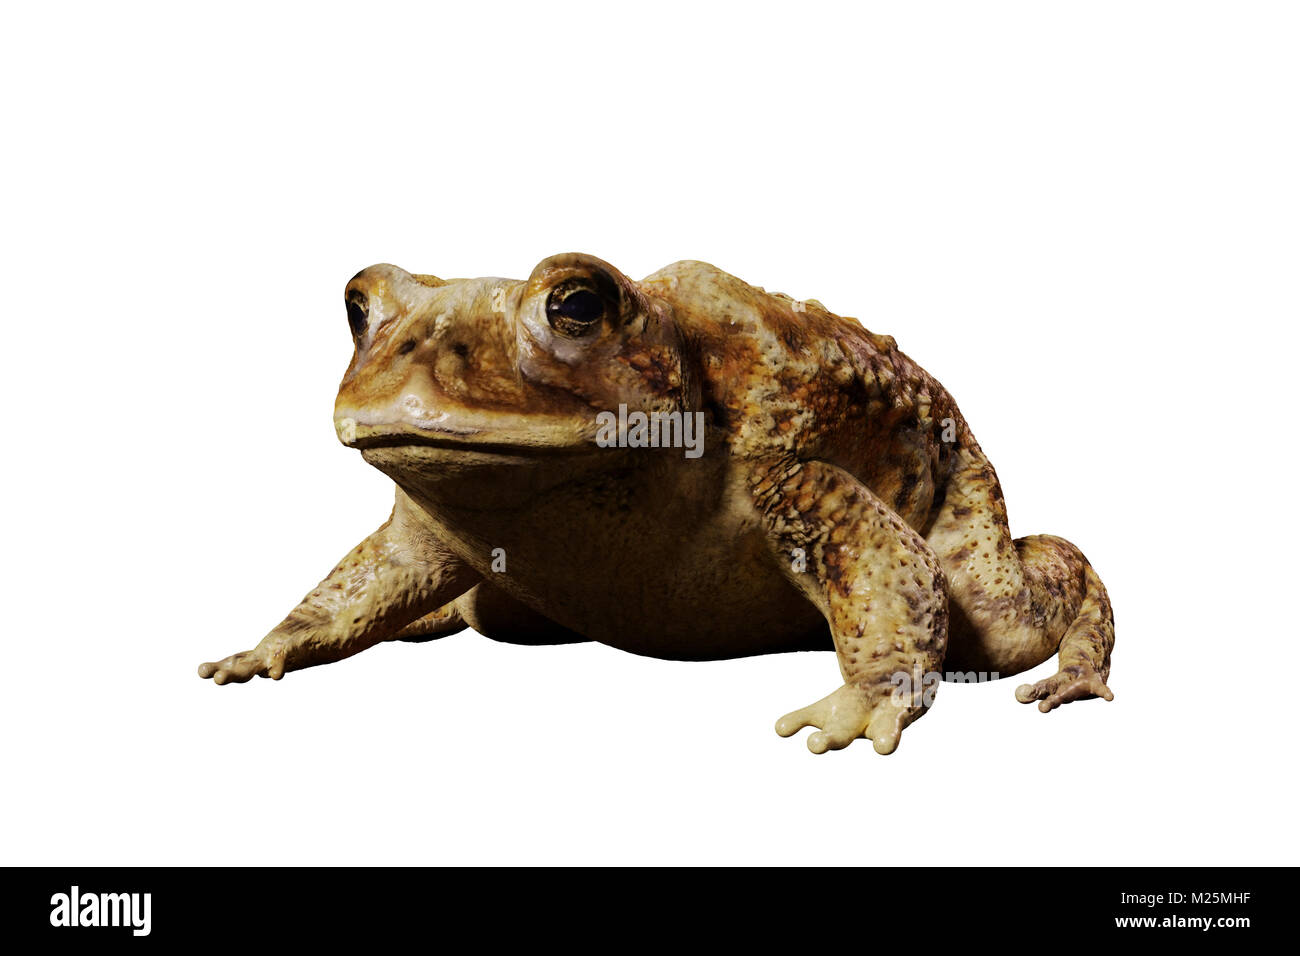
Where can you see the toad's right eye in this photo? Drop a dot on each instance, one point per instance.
(574, 309)
(358, 313)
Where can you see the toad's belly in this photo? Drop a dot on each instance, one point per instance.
(658, 556)
(711, 603)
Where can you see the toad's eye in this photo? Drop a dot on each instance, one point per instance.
(575, 310)
(358, 313)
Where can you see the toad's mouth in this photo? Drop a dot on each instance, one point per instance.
(542, 438)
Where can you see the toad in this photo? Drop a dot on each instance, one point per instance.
(687, 467)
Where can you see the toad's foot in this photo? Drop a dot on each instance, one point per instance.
(265, 660)
(1070, 684)
(851, 712)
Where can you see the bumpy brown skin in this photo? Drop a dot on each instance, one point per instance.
(839, 493)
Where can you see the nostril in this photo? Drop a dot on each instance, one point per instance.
(358, 312)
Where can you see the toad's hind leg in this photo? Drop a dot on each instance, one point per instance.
(440, 623)
(493, 613)
(1015, 603)
(1083, 656)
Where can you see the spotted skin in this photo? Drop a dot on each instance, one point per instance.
(372, 595)
(878, 584)
(839, 498)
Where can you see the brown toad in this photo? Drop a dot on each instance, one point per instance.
(685, 467)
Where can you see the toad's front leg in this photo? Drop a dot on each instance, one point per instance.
(392, 578)
(880, 588)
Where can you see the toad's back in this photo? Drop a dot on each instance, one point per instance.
(789, 378)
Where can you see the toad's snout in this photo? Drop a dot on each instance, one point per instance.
(432, 359)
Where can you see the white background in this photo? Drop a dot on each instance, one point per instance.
(1082, 218)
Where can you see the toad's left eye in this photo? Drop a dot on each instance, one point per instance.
(574, 310)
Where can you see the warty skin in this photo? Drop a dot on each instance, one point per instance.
(841, 499)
